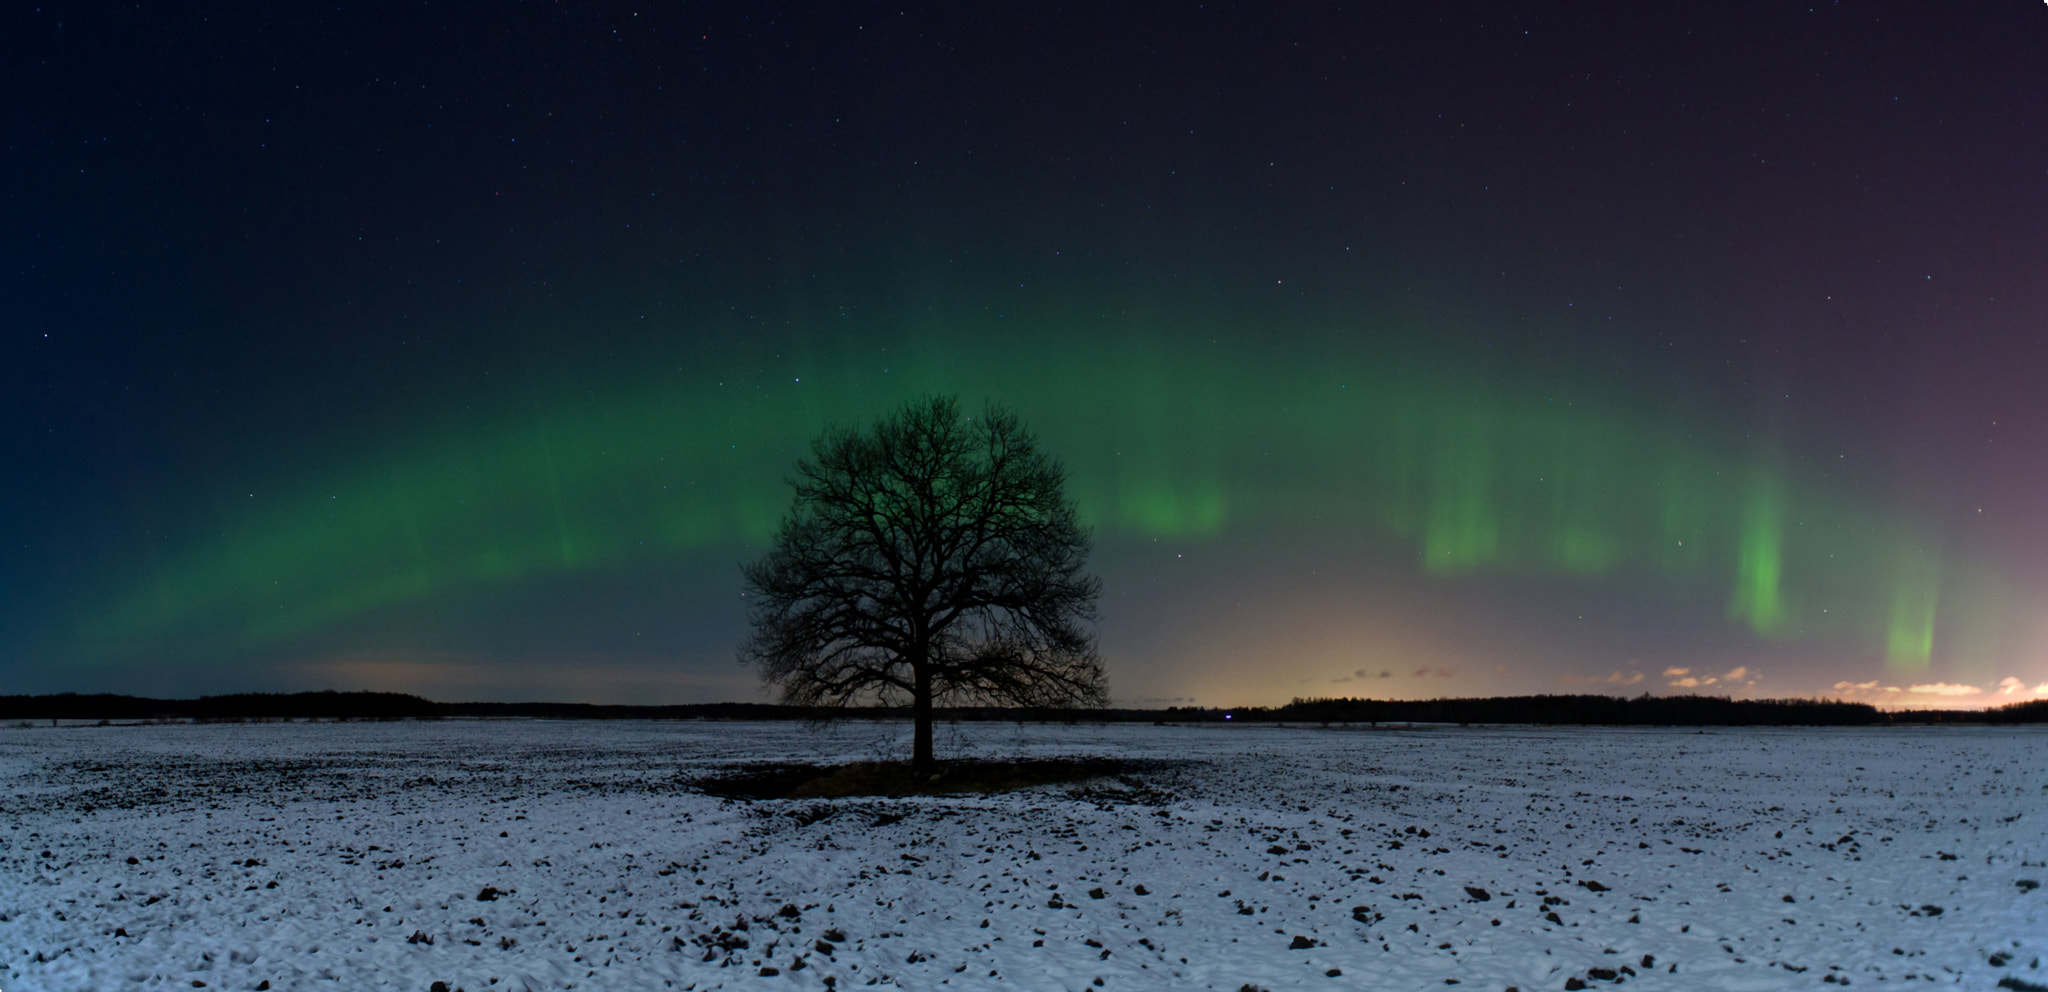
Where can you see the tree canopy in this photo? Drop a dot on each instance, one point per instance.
(933, 558)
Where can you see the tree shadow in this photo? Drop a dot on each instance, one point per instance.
(895, 778)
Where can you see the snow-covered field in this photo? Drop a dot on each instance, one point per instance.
(508, 854)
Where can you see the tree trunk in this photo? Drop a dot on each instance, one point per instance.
(921, 760)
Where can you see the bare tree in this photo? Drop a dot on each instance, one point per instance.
(933, 558)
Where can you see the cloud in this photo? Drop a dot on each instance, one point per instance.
(1386, 674)
(1419, 673)
(1683, 678)
(1873, 685)
(1945, 689)
(2011, 685)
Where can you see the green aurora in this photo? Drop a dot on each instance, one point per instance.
(1459, 471)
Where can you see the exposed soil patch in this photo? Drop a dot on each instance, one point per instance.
(895, 778)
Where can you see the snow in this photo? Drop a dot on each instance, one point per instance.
(359, 856)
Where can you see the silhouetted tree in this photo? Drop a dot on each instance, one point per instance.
(933, 558)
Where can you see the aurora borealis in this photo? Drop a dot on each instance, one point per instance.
(1479, 352)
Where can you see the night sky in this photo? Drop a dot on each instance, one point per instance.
(1433, 350)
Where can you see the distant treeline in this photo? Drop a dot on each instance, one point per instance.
(1666, 711)
(332, 705)
(2029, 712)
(1645, 710)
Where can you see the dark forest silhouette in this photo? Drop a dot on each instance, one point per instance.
(1684, 711)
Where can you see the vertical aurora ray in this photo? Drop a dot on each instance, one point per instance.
(1759, 563)
(1464, 526)
(1470, 473)
(1909, 633)
(1685, 511)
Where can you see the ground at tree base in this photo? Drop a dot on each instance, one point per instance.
(554, 855)
(900, 779)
